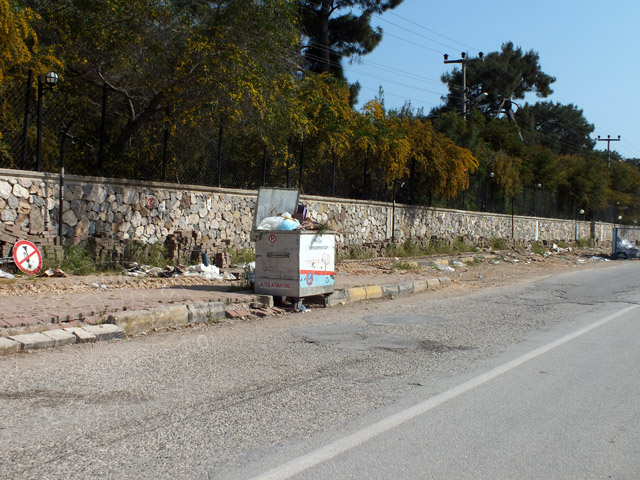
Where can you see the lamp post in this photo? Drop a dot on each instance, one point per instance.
(49, 81)
(535, 187)
(393, 211)
(581, 212)
(489, 177)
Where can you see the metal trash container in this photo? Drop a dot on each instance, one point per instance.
(291, 264)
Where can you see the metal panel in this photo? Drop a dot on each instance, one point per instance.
(274, 201)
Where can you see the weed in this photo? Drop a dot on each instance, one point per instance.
(498, 243)
(407, 249)
(404, 266)
(561, 244)
(585, 243)
(242, 255)
(538, 248)
(355, 252)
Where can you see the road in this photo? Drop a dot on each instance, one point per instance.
(532, 380)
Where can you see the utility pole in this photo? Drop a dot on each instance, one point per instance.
(608, 140)
(463, 62)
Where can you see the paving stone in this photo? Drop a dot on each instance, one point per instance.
(33, 341)
(82, 336)
(61, 337)
(106, 331)
(445, 280)
(22, 322)
(9, 346)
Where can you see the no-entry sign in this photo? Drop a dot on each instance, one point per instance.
(27, 257)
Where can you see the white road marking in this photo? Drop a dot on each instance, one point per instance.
(304, 462)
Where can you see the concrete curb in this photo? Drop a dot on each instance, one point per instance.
(135, 322)
(359, 294)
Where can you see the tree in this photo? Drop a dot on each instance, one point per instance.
(211, 65)
(329, 36)
(560, 128)
(504, 76)
(19, 47)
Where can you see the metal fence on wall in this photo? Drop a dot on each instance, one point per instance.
(211, 159)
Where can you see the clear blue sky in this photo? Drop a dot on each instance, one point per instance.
(590, 47)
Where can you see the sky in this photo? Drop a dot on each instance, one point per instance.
(590, 47)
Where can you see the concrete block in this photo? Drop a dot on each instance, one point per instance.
(388, 290)
(206, 312)
(106, 331)
(82, 336)
(132, 322)
(9, 346)
(405, 288)
(356, 294)
(373, 291)
(433, 283)
(444, 281)
(33, 341)
(173, 316)
(265, 300)
(60, 337)
(419, 286)
(338, 297)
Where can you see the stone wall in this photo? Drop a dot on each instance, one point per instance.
(148, 212)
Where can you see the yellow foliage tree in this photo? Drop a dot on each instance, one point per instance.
(440, 164)
(19, 43)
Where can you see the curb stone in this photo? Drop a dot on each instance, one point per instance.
(60, 337)
(33, 341)
(8, 346)
(82, 336)
(142, 321)
(106, 331)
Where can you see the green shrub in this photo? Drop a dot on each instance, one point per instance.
(538, 248)
(498, 243)
(242, 255)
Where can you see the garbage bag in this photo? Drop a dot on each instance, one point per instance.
(626, 249)
(289, 224)
(271, 223)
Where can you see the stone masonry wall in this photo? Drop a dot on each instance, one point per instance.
(149, 211)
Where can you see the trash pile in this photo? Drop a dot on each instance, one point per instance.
(288, 222)
(206, 272)
(626, 249)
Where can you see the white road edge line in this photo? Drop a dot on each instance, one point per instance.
(304, 462)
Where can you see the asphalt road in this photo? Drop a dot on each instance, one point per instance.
(535, 380)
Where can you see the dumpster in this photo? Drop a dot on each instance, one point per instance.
(291, 264)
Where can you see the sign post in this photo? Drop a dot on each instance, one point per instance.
(27, 257)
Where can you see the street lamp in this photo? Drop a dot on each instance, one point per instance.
(489, 177)
(581, 212)
(49, 81)
(537, 186)
(393, 210)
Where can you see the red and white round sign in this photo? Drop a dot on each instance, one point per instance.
(27, 257)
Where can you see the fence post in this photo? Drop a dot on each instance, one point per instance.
(27, 108)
